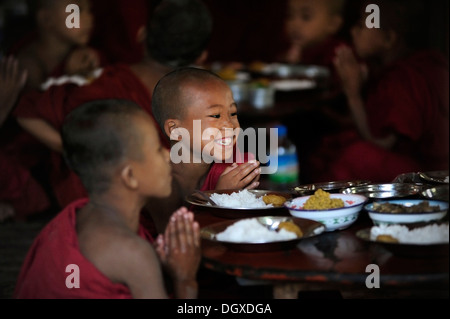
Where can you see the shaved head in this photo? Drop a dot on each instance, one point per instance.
(170, 96)
(98, 136)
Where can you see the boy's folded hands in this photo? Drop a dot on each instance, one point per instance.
(180, 245)
(245, 175)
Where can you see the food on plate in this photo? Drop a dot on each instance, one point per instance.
(275, 200)
(321, 200)
(256, 66)
(422, 207)
(292, 227)
(387, 239)
(240, 199)
(252, 231)
(227, 74)
(260, 83)
(430, 234)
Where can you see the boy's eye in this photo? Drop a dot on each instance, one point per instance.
(216, 116)
(234, 114)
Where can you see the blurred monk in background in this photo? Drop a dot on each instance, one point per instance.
(398, 100)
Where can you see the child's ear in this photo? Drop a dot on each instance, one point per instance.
(202, 58)
(170, 125)
(141, 34)
(128, 177)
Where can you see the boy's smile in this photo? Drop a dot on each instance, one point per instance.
(213, 105)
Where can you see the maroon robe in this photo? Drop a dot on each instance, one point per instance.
(409, 99)
(53, 105)
(43, 273)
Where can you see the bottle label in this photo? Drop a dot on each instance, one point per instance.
(287, 171)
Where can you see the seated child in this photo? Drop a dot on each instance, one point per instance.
(186, 97)
(117, 30)
(48, 52)
(312, 27)
(315, 30)
(177, 35)
(95, 247)
(52, 50)
(20, 194)
(401, 123)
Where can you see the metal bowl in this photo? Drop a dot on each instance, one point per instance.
(330, 187)
(437, 193)
(383, 191)
(388, 217)
(435, 177)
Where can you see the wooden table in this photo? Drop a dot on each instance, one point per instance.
(331, 260)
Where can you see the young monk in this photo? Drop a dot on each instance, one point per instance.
(177, 35)
(49, 51)
(401, 123)
(20, 193)
(191, 96)
(312, 27)
(52, 50)
(315, 30)
(96, 247)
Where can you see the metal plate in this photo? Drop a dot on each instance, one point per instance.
(309, 228)
(239, 212)
(407, 250)
(440, 177)
(335, 186)
(377, 191)
(440, 192)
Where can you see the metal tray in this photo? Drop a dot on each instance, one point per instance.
(239, 212)
(383, 191)
(309, 228)
(335, 186)
(440, 192)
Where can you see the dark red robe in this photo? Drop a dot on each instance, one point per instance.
(409, 99)
(217, 169)
(43, 273)
(25, 161)
(53, 105)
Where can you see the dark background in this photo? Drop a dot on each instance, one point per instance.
(244, 31)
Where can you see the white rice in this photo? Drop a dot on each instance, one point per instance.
(241, 199)
(431, 234)
(251, 231)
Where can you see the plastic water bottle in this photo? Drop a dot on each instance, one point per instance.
(287, 174)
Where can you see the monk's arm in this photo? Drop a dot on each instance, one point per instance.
(353, 75)
(43, 131)
(359, 115)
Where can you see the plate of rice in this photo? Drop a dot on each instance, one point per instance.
(425, 240)
(264, 233)
(240, 203)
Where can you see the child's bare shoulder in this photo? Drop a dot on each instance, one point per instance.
(109, 245)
